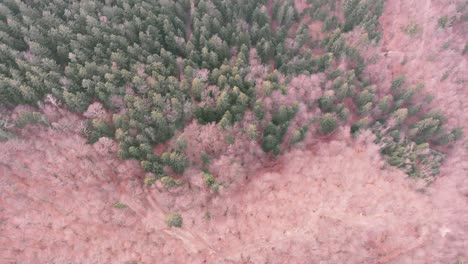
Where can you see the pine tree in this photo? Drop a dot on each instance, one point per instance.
(270, 143)
(259, 110)
(328, 123)
(326, 102)
(302, 35)
(197, 88)
(400, 115)
(252, 132)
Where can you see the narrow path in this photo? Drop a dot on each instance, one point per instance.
(152, 215)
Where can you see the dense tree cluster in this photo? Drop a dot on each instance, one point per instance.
(157, 65)
(409, 134)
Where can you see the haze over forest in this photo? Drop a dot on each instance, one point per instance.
(233, 131)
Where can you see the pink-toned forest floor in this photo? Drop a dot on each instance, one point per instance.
(335, 202)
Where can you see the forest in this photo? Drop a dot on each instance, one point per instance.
(157, 67)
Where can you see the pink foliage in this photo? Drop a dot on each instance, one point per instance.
(105, 146)
(334, 200)
(103, 19)
(141, 70)
(301, 5)
(50, 112)
(50, 99)
(209, 96)
(202, 74)
(239, 159)
(96, 110)
(29, 56)
(306, 87)
(203, 138)
(118, 102)
(20, 109)
(400, 54)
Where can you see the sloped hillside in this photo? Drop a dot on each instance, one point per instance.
(267, 132)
